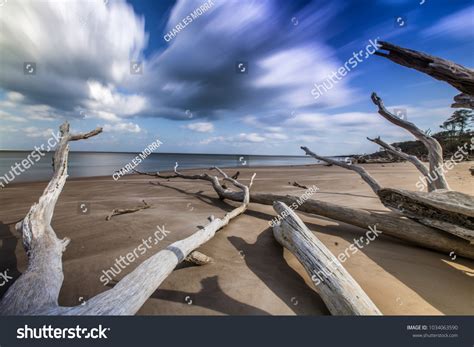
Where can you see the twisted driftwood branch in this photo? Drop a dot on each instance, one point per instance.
(411, 158)
(359, 169)
(435, 151)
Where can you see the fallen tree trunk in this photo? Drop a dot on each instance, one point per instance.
(393, 225)
(443, 209)
(339, 291)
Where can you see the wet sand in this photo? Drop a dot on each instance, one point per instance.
(251, 275)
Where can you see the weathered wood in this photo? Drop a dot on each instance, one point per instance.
(435, 151)
(297, 185)
(410, 158)
(339, 291)
(390, 223)
(447, 210)
(359, 169)
(198, 258)
(39, 286)
(458, 76)
(119, 211)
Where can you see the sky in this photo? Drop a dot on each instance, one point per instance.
(237, 77)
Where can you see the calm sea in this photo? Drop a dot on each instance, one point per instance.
(86, 164)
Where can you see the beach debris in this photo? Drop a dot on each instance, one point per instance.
(341, 294)
(198, 258)
(119, 211)
(296, 184)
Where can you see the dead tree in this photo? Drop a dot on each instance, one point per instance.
(338, 289)
(36, 291)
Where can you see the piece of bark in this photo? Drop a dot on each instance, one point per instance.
(119, 211)
(296, 184)
(435, 151)
(199, 258)
(339, 291)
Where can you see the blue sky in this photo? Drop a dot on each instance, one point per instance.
(189, 93)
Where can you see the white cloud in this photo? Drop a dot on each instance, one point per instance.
(36, 132)
(122, 128)
(202, 127)
(456, 25)
(9, 117)
(70, 41)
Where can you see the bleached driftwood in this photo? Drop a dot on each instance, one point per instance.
(391, 224)
(119, 211)
(435, 151)
(36, 291)
(38, 287)
(359, 169)
(339, 291)
(458, 76)
(410, 158)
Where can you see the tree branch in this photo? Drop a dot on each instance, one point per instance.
(435, 151)
(359, 169)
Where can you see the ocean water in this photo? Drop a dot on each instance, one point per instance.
(86, 164)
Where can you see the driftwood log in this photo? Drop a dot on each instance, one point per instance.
(391, 224)
(443, 209)
(339, 291)
(36, 291)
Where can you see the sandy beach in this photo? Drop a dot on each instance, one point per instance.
(251, 274)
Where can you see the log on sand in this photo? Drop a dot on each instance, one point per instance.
(339, 291)
(390, 223)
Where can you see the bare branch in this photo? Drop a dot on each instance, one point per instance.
(360, 170)
(411, 158)
(119, 211)
(435, 151)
